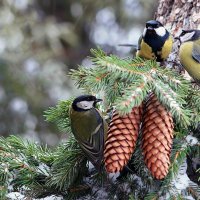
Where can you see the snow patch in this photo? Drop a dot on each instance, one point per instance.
(19, 196)
(192, 140)
(181, 181)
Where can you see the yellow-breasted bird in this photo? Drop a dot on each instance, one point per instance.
(189, 52)
(155, 42)
(89, 128)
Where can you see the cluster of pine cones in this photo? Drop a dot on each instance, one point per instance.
(156, 125)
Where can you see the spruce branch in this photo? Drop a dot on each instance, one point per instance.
(123, 79)
(178, 156)
(172, 78)
(193, 100)
(69, 163)
(80, 75)
(173, 102)
(137, 162)
(60, 115)
(21, 164)
(194, 190)
(125, 84)
(151, 196)
(179, 152)
(88, 78)
(132, 96)
(98, 52)
(37, 171)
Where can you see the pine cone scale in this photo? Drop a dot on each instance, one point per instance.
(157, 130)
(122, 136)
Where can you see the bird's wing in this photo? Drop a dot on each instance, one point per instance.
(196, 51)
(139, 42)
(94, 145)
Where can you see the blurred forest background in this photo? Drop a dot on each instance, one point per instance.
(40, 40)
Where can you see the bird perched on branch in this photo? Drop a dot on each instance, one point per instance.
(155, 42)
(89, 128)
(189, 52)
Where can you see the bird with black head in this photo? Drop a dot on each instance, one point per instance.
(155, 43)
(189, 52)
(89, 128)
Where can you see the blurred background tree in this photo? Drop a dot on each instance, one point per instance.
(40, 40)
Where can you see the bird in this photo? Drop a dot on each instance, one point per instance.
(89, 128)
(189, 52)
(155, 43)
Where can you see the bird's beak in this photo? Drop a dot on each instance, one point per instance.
(177, 38)
(150, 28)
(98, 100)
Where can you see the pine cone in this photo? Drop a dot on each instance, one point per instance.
(121, 140)
(157, 137)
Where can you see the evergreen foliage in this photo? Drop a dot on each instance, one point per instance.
(60, 115)
(124, 83)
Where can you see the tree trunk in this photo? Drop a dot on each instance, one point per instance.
(176, 15)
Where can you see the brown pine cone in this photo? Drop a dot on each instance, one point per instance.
(121, 140)
(157, 134)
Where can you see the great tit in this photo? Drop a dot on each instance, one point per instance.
(89, 128)
(155, 42)
(189, 52)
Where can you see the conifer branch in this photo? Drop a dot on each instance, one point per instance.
(172, 78)
(178, 156)
(193, 100)
(125, 84)
(40, 171)
(137, 161)
(152, 196)
(80, 75)
(173, 102)
(194, 190)
(179, 152)
(29, 161)
(118, 77)
(69, 163)
(60, 115)
(132, 96)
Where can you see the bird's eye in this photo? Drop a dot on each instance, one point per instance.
(183, 33)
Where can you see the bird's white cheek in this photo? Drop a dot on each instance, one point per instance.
(187, 36)
(161, 31)
(85, 104)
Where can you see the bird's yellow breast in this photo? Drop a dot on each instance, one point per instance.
(147, 52)
(190, 65)
(167, 48)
